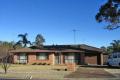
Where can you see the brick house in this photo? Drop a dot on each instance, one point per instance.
(59, 54)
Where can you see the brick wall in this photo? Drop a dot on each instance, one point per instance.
(15, 57)
(71, 66)
(32, 59)
(90, 59)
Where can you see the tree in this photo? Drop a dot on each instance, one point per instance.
(24, 41)
(108, 49)
(115, 45)
(110, 13)
(5, 59)
(5, 56)
(39, 40)
(5, 63)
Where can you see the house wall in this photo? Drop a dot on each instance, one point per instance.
(32, 58)
(91, 58)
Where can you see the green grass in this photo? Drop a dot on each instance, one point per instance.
(36, 71)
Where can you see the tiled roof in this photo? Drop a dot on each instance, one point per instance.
(91, 48)
(71, 50)
(61, 48)
(29, 50)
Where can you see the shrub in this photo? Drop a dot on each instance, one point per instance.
(34, 63)
(48, 64)
(43, 63)
(16, 63)
(39, 63)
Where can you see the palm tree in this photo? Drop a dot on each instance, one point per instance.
(23, 40)
(115, 45)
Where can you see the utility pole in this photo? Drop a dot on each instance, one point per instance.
(74, 34)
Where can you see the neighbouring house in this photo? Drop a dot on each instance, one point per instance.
(59, 54)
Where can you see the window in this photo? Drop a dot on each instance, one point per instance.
(22, 58)
(114, 55)
(70, 58)
(42, 56)
(118, 55)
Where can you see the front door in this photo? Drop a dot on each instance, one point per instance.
(57, 58)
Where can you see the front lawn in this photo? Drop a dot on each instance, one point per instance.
(36, 71)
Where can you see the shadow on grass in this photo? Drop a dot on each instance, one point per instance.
(100, 66)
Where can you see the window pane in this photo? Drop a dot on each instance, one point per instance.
(114, 55)
(42, 56)
(22, 56)
(118, 55)
(70, 58)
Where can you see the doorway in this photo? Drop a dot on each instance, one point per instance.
(57, 58)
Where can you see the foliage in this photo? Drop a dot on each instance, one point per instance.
(114, 47)
(39, 40)
(110, 12)
(107, 49)
(24, 41)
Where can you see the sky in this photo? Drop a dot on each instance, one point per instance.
(55, 20)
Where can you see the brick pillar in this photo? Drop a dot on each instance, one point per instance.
(71, 66)
(15, 57)
(101, 58)
(31, 58)
(51, 58)
(62, 58)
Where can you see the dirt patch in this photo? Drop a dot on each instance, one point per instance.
(84, 72)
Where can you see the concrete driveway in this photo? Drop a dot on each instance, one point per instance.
(94, 72)
(115, 71)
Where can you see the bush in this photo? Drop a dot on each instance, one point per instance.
(16, 63)
(39, 63)
(48, 64)
(34, 63)
(43, 63)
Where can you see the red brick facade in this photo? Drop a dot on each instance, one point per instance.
(84, 58)
(31, 58)
(91, 60)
